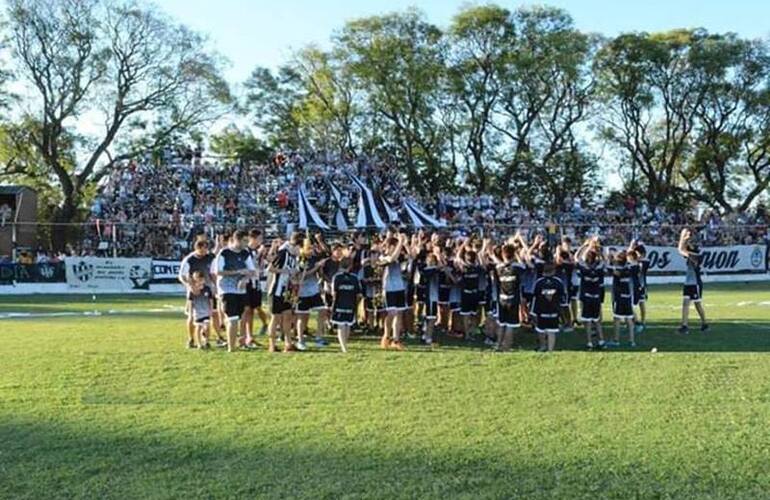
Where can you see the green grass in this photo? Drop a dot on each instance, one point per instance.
(111, 406)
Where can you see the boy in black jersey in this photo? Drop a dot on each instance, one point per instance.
(548, 300)
(591, 271)
(622, 297)
(638, 276)
(431, 273)
(470, 270)
(565, 267)
(509, 272)
(346, 288)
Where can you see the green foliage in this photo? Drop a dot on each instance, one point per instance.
(239, 144)
(144, 76)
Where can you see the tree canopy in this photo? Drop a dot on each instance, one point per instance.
(498, 101)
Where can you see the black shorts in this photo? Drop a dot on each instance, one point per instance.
(693, 292)
(307, 304)
(590, 309)
(233, 304)
(469, 303)
(279, 305)
(623, 307)
(395, 301)
(443, 294)
(253, 297)
(421, 293)
(410, 296)
(328, 299)
(508, 314)
(202, 320)
(574, 290)
(547, 324)
(454, 306)
(528, 296)
(343, 317)
(369, 304)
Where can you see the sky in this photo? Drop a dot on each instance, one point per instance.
(254, 33)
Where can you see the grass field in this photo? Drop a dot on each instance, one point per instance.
(112, 406)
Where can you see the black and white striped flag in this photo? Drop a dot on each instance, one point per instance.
(419, 217)
(392, 215)
(368, 216)
(340, 220)
(308, 216)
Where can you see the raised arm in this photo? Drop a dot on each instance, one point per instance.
(683, 238)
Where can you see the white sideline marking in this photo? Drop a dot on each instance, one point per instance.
(110, 312)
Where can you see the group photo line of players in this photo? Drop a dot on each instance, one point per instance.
(419, 286)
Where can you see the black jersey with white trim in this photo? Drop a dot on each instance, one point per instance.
(346, 287)
(510, 279)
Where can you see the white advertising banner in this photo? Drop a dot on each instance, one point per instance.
(730, 259)
(95, 273)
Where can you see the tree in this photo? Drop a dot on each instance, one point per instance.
(481, 38)
(397, 61)
(651, 87)
(242, 145)
(144, 76)
(730, 162)
(547, 92)
(272, 100)
(327, 112)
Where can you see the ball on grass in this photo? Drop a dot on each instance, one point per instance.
(654, 350)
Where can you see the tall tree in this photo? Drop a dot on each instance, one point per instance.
(481, 38)
(272, 100)
(545, 94)
(328, 111)
(730, 162)
(145, 77)
(398, 62)
(651, 87)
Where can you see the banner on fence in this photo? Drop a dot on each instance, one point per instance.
(165, 271)
(716, 260)
(96, 273)
(44, 272)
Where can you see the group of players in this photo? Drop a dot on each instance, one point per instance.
(423, 284)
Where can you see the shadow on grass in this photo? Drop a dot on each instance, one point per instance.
(723, 336)
(87, 460)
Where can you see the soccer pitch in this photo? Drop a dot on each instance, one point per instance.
(111, 405)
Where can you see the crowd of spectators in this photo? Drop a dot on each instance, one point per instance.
(154, 206)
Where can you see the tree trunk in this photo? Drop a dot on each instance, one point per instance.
(62, 233)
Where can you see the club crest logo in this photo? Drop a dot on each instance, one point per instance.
(83, 271)
(139, 276)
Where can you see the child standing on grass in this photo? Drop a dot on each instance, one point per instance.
(693, 284)
(549, 297)
(201, 306)
(622, 297)
(346, 287)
